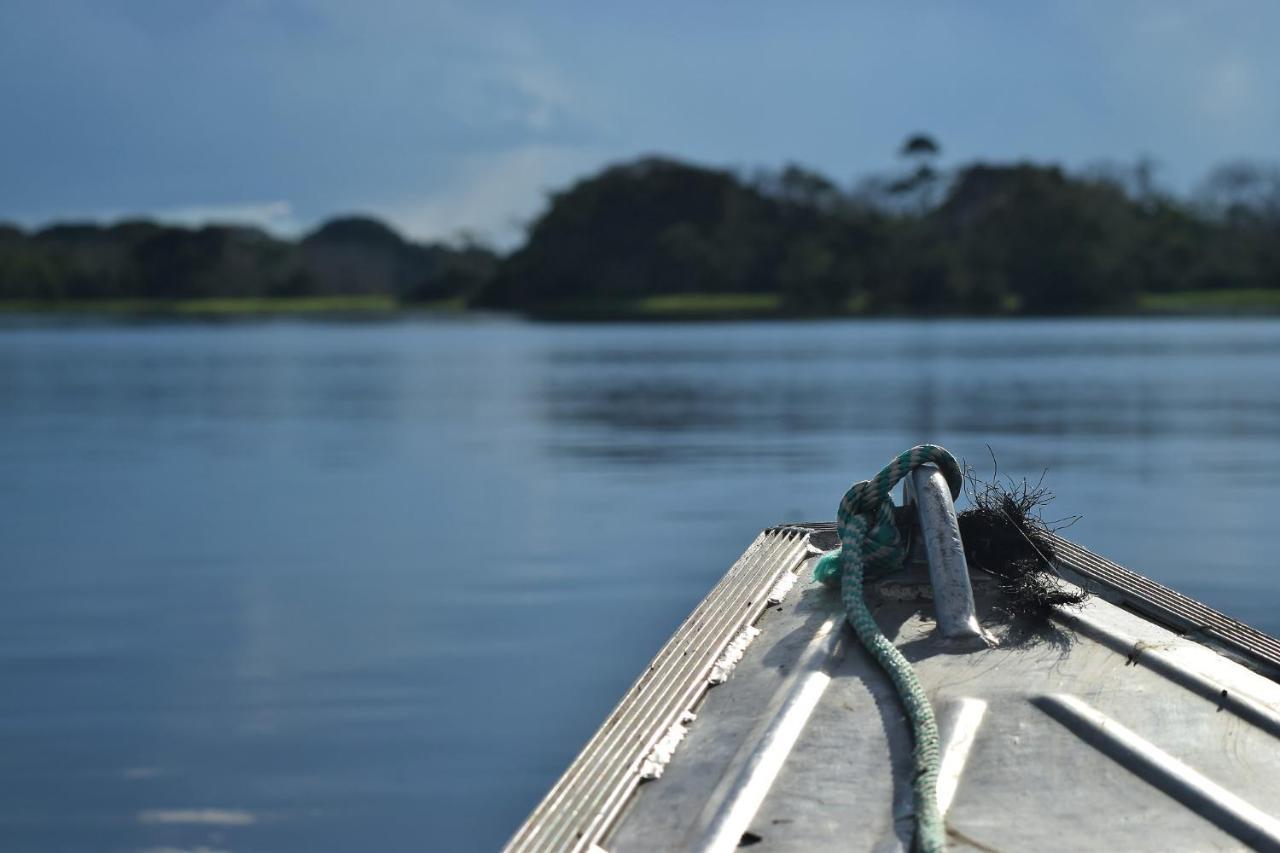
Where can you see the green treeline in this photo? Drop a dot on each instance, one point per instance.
(661, 237)
(140, 260)
(983, 239)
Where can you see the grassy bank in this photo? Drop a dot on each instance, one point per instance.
(738, 306)
(681, 306)
(225, 307)
(1238, 301)
(661, 308)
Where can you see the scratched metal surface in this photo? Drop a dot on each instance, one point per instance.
(1104, 731)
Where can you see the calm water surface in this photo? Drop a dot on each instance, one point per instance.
(295, 586)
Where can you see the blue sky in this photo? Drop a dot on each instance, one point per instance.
(441, 117)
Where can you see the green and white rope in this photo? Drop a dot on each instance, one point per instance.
(870, 545)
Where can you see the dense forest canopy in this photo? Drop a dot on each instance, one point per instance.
(982, 238)
(145, 260)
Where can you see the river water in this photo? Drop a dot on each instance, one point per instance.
(310, 586)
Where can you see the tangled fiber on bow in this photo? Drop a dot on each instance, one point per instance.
(1005, 534)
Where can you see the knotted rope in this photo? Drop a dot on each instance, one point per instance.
(870, 544)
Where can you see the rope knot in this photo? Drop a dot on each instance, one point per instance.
(880, 548)
(865, 518)
(869, 542)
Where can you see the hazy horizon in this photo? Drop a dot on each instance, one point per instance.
(442, 118)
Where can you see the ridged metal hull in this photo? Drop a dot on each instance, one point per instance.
(1141, 721)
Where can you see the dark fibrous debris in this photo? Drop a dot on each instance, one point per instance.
(1006, 535)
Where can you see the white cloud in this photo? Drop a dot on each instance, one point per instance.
(206, 817)
(492, 198)
(546, 95)
(275, 216)
(278, 217)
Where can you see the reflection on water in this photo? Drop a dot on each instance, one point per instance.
(304, 586)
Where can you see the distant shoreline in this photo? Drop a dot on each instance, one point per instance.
(699, 307)
(300, 306)
(660, 239)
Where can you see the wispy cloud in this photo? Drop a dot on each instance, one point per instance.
(493, 197)
(203, 817)
(546, 95)
(274, 216)
(277, 217)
